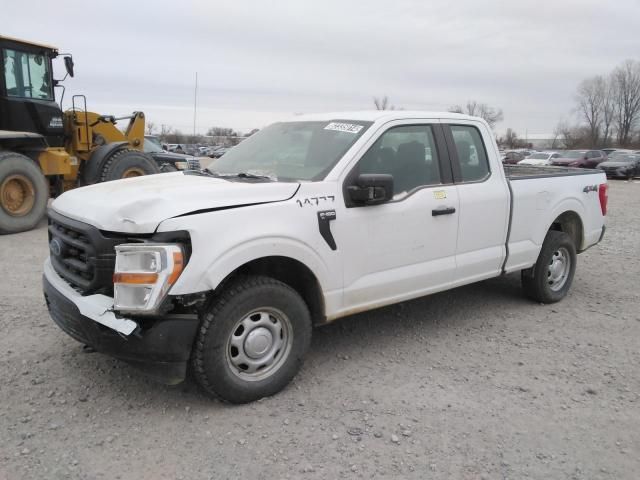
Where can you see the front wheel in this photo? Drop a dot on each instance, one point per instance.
(550, 279)
(252, 340)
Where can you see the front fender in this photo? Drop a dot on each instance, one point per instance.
(203, 275)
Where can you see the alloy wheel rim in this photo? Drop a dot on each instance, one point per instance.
(259, 344)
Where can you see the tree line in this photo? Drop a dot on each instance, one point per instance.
(168, 134)
(607, 108)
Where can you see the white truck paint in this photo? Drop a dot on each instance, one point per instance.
(386, 253)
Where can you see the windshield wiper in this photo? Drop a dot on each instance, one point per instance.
(248, 175)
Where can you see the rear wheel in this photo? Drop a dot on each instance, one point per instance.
(23, 193)
(128, 163)
(550, 279)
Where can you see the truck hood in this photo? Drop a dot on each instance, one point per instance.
(138, 205)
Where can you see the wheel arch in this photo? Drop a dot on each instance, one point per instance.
(570, 223)
(291, 272)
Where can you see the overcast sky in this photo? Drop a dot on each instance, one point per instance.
(260, 61)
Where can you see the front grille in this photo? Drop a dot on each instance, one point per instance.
(82, 254)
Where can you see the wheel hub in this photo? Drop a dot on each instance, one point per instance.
(559, 268)
(258, 342)
(17, 195)
(133, 172)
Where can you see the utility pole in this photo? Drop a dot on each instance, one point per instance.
(195, 103)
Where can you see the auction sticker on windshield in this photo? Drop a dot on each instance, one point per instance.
(344, 127)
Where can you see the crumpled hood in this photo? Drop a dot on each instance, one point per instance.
(138, 205)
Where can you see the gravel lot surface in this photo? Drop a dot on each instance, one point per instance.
(475, 383)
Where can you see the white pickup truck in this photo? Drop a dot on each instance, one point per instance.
(227, 269)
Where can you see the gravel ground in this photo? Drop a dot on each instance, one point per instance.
(475, 383)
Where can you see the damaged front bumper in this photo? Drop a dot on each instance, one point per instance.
(159, 346)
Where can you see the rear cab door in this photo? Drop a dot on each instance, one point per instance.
(484, 200)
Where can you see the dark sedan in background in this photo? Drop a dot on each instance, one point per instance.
(621, 165)
(580, 158)
(169, 161)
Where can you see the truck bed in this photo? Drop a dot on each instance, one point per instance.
(519, 172)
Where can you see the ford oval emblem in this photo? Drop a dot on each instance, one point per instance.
(55, 247)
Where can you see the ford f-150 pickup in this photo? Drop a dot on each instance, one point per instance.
(225, 270)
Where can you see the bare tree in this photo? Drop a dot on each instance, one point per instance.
(221, 132)
(510, 139)
(476, 109)
(165, 131)
(572, 135)
(382, 103)
(589, 103)
(150, 128)
(608, 110)
(626, 85)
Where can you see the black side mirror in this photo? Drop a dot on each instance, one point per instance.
(371, 189)
(68, 65)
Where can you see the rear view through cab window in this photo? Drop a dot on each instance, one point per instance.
(472, 156)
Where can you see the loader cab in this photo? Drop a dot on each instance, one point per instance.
(27, 99)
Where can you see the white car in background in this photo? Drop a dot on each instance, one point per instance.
(539, 158)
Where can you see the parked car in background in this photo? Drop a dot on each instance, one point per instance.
(512, 157)
(580, 158)
(540, 158)
(219, 152)
(168, 161)
(621, 165)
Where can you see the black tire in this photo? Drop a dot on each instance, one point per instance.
(549, 280)
(241, 302)
(128, 163)
(24, 192)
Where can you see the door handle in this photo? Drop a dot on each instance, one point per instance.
(443, 211)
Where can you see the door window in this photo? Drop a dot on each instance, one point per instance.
(472, 156)
(409, 154)
(27, 75)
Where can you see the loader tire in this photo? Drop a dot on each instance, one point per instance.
(23, 193)
(128, 163)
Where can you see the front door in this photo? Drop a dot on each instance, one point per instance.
(405, 247)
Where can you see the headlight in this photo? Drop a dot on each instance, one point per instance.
(181, 165)
(144, 274)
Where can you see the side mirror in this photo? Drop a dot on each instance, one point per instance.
(371, 189)
(68, 65)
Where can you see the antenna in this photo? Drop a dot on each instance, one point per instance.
(195, 103)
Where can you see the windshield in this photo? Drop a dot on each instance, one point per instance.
(538, 156)
(150, 146)
(27, 75)
(574, 154)
(292, 150)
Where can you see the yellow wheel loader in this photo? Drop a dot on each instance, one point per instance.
(45, 151)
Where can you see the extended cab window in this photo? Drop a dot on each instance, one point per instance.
(408, 153)
(472, 156)
(27, 75)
